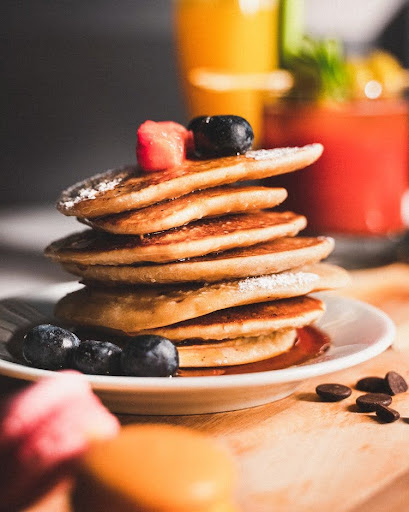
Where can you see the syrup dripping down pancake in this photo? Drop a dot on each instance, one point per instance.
(236, 351)
(266, 258)
(128, 188)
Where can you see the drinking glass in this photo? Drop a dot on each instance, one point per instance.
(356, 189)
(229, 36)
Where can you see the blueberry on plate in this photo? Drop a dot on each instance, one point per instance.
(149, 356)
(218, 136)
(49, 347)
(97, 358)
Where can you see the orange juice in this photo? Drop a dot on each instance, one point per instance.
(238, 36)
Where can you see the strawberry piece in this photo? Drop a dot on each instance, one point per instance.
(161, 145)
(44, 429)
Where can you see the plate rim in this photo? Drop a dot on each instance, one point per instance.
(256, 379)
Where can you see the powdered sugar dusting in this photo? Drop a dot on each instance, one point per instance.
(271, 282)
(271, 154)
(92, 188)
(91, 193)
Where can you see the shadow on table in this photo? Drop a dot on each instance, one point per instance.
(30, 265)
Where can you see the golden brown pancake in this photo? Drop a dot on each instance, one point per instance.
(265, 258)
(197, 205)
(195, 239)
(132, 309)
(236, 351)
(250, 320)
(128, 188)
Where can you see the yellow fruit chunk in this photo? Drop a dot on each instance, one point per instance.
(388, 71)
(161, 468)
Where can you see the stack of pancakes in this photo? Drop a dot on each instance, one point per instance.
(186, 255)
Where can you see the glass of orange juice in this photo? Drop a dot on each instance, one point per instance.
(233, 36)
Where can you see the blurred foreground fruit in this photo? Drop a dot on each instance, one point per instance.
(156, 468)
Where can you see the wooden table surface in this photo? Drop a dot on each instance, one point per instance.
(300, 454)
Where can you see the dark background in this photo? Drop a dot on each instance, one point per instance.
(78, 77)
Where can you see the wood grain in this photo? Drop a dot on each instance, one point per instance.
(300, 454)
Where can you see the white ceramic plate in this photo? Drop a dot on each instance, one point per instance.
(357, 330)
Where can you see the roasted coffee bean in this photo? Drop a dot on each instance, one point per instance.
(372, 385)
(333, 392)
(369, 402)
(386, 415)
(395, 383)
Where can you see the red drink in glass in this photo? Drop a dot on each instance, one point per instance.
(357, 186)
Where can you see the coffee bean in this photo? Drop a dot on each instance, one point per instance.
(369, 402)
(395, 383)
(333, 392)
(372, 385)
(386, 415)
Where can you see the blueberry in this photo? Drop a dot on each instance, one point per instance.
(97, 358)
(218, 136)
(149, 356)
(195, 122)
(49, 347)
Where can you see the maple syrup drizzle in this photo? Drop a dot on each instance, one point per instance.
(311, 342)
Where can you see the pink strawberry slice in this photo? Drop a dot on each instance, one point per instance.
(161, 145)
(24, 411)
(43, 431)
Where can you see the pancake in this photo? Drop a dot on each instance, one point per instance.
(265, 258)
(250, 320)
(131, 310)
(197, 205)
(236, 351)
(195, 239)
(128, 188)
